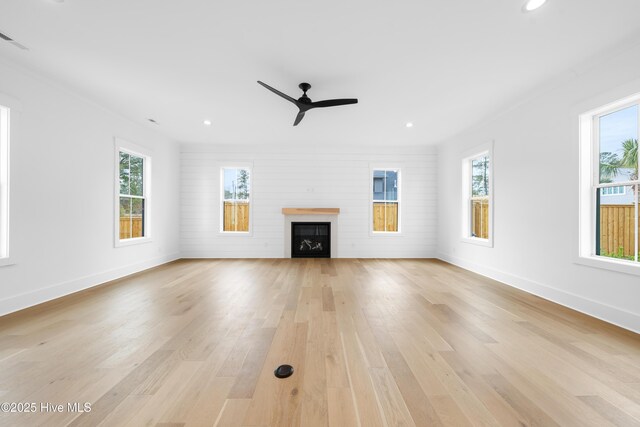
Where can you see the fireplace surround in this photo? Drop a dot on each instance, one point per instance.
(310, 214)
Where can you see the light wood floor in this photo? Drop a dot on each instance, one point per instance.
(373, 343)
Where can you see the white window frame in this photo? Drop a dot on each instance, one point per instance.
(398, 170)
(467, 157)
(122, 145)
(221, 231)
(589, 180)
(5, 164)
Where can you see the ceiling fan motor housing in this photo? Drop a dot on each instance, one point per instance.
(304, 98)
(304, 86)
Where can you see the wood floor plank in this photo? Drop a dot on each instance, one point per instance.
(203, 394)
(543, 393)
(314, 388)
(112, 398)
(277, 401)
(390, 399)
(500, 409)
(208, 407)
(232, 412)
(533, 415)
(449, 412)
(418, 403)
(328, 303)
(126, 410)
(610, 412)
(335, 368)
(172, 388)
(253, 362)
(360, 382)
(342, 411)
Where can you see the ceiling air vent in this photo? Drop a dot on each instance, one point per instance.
(13, 42)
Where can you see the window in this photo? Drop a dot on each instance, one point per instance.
(4, 184)
(132, 198)
(613, 191)
(236, 199)
(477, 184)
(610, 184)
(385, 200)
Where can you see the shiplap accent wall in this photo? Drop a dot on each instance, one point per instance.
(332, 177)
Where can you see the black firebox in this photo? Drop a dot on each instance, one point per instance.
(310, 240)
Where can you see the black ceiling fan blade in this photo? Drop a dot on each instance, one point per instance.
(299, 118)
(277, 92)
(334, 102)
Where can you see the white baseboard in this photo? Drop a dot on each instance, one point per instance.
(624, 319)
(223, 255)
(29, 299)
(348, 255)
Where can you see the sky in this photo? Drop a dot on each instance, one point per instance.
(231, 179)
(618, 127)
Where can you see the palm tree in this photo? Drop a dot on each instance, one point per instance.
(609, 166)
(612, 165)
(630, 157)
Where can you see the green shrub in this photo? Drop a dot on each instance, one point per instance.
(619, 254)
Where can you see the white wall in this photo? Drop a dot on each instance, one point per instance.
(303, 176)
(62, 194)
(536, 194)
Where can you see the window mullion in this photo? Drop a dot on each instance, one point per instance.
(595, 150)
(384, 198)
(636, 193)
(635, 196)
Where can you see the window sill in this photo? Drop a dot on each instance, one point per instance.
(488, 243)
(385, 233)
(627, 267)
(5, 262)
(235, 233)
(134, 241)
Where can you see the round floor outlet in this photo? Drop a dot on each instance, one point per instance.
(283, 371)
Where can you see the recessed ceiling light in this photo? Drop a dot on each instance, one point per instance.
(532, 5)
(409, 125)
(207, 122)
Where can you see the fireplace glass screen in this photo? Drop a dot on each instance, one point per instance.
(310, 240)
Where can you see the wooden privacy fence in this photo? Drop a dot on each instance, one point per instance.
(617, 226)
(130, 226)
(385, 217)
(236, 216)
(480, 218)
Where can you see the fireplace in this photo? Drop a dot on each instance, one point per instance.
(310, 240)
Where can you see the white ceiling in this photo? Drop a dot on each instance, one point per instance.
(441, 64)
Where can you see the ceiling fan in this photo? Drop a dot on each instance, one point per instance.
(305, 104)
